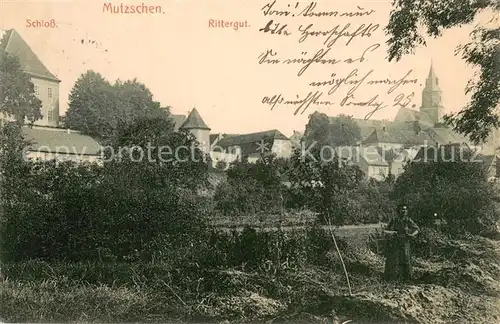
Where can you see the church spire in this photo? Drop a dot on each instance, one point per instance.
(432, 80)
(431, 110)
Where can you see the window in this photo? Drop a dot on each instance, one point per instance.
(50, 115)
(37, 90)
(49, 92)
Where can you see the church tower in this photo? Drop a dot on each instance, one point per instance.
(432, 109)
(195, 124)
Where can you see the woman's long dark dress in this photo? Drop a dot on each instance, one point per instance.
(398, 253)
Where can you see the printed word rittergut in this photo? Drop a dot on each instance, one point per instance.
(219, 23)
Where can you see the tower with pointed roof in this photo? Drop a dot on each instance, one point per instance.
(432, 109)
(195, 124)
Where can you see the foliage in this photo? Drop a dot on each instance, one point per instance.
(17, 92)
(221, 165)
(252, 187)
(478, 118)
(121, 210)
(12, 156)
(334, 189)
(324, 131)
(150, 152)
(101, 109)
(457, 191)
(77, 212)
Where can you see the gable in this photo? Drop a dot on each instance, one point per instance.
(253, 143)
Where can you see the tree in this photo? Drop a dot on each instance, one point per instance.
(344, 131)
(389, 156)
(221, 165)
(92, 106)
(17, 92)
(136, 101)
(12, 163)
(162, 157)
(339, 131)
(457, 191)
(252, 187)
(479, 116)
(332, 188)
(101, 110)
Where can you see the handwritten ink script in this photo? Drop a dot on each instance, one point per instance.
(337, 58)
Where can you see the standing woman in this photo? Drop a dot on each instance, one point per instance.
(398, 253)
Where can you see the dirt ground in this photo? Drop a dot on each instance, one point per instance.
(456, 281)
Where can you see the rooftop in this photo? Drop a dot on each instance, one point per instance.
(194, 121)
(58, 140)
(15, 45)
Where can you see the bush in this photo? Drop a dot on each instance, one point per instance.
(123, 210)
(251, 188)
(457, 191)
(74, 212)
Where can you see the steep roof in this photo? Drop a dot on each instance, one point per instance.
(177, 120)
(253, 143)
(399, 136)
(57, 140)
(213, 138)
(367, 126)
(194, 121)
(446, 135)
(15, 45)
(406, 114)
(432, 80)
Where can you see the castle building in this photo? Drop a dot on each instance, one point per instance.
(46, 84)
(231, 147)
(196, 125)
(49, 142)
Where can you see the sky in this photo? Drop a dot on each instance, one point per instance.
(187, 63)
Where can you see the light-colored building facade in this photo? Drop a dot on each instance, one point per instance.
(368, 159)
(231, 147)
(252, 146)
(45, 83)
(48, 142)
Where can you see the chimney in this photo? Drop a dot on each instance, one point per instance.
(416, 127)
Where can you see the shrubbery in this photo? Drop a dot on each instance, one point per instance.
(456, 191)
(120, 211)
(76, 212)
(334, 190)
(252, 188)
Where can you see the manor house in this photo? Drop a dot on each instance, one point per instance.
(412, 130)
(49, 141)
